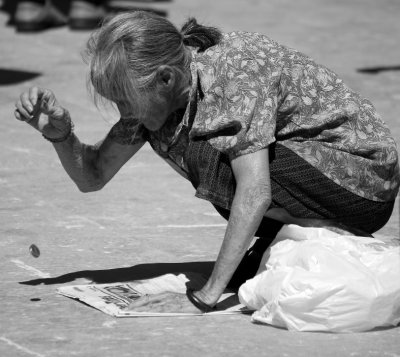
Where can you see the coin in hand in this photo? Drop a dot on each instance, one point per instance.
(34, 250)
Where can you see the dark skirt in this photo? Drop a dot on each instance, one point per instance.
(296, 186)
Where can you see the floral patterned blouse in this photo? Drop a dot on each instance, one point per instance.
(249, 91)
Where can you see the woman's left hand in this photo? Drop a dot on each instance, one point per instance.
(165, 302)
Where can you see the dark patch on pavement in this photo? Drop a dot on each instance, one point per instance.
(12, 76)
(378, 69)
(36, 299)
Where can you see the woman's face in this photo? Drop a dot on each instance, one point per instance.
(158, 110)
(167, 97)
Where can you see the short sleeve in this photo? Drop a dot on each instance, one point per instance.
(237, 108)
(128, 132)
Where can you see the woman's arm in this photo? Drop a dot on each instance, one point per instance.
(89, 166)
(251, 201)
(92, 166)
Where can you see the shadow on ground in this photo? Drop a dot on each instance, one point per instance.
(13, 76)
(378, 69)
(137, 272)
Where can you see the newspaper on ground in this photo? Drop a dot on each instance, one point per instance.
(114, 298)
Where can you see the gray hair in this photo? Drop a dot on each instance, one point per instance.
(125, 53)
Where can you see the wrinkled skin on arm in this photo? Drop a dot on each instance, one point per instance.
(92, 166)
(89, 166)
(251, 201)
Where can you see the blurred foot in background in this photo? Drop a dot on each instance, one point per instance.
(86, 14)
(39, 15)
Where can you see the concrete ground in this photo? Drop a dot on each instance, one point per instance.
(147, 221)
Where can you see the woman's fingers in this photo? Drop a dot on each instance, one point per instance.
(18, 115)
(35, 101)
(49, 105)
(34, 95)
(144, 301)
(20, 112)
(27, 104)
(164, 302)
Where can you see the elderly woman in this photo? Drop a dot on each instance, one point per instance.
(263, 132)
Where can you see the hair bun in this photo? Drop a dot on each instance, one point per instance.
(199, 36)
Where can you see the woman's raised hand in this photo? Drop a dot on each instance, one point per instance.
(40, 108)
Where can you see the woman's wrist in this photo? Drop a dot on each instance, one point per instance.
(62, 138)
(197, 302)
(207, 296)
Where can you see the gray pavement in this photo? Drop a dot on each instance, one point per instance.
(147, 221)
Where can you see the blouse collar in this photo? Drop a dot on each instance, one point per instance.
(188, 115)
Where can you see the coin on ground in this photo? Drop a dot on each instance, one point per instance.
(34, 250)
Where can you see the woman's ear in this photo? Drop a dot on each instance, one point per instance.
(166, 77)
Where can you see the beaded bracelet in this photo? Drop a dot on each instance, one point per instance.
(63, 138)
(201, 305)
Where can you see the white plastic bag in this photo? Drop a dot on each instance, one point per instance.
(312, 279)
